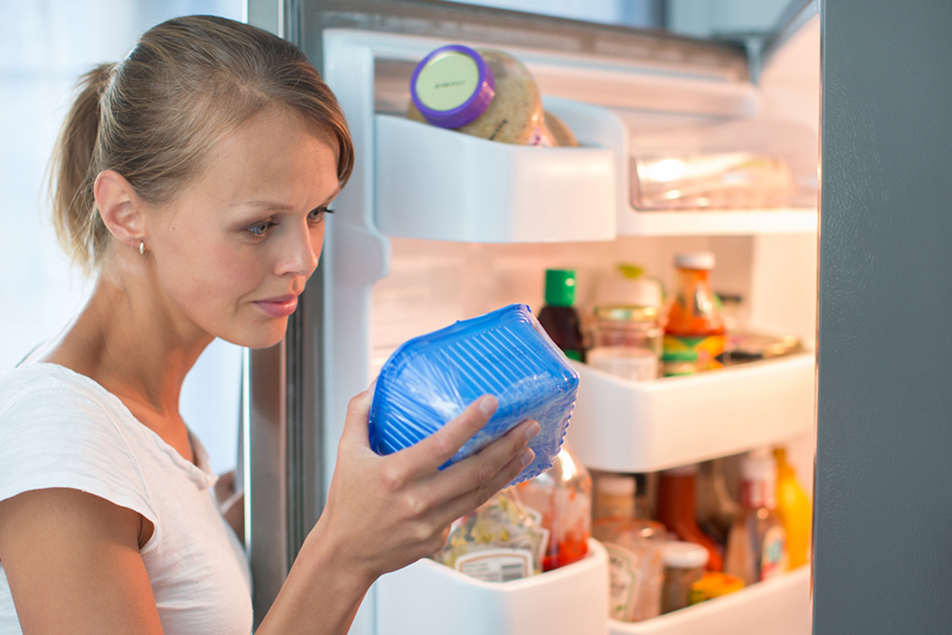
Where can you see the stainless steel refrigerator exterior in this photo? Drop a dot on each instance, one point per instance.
(884, 429)
(296, 393)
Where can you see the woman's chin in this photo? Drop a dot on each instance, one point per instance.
(259, 338)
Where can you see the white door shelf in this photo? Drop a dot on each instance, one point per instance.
(780, 607)
(441, 184)
(428, 598)
(628, 426)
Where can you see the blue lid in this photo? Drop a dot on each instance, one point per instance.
(431, 379)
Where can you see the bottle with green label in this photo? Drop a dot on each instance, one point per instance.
(558, 317)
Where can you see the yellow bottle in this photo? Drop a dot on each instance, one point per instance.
(795, 511)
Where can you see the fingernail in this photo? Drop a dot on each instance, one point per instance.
(527, 456)
(532, 431)
(488, 404)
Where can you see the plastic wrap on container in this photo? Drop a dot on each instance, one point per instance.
(431, 379)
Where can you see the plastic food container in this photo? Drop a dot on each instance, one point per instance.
(431, 379)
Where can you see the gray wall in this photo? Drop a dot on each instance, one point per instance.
(884, 448)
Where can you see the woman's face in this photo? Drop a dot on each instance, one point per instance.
(234, 251)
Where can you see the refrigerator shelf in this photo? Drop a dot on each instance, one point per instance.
(602, 127)
(629, 426)
(780, 607)
(439, 184)
(428, 598)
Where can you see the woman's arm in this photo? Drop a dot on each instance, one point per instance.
(73, 565)
(385, 512)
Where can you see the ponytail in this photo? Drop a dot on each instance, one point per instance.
(79, 228)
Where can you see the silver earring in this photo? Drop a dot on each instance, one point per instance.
(142, 247)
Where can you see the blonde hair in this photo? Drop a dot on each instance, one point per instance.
(154, 116)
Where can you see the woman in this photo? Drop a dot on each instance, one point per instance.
(194, 177)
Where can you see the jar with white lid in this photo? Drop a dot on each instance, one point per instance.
(626, 341)
(684, 564)
(614, 495)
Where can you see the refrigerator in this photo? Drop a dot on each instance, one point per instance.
(435, 226)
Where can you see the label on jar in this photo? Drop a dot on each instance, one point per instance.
(496, 565)
(636, 364)
(623, 581)
(773, 559)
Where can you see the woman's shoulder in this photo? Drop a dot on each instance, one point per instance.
(36, 389)
(61, 429)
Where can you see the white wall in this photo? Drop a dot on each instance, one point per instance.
(44, 46)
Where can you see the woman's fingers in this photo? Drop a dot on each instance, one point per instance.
(470, 500)
(481, 469)
(432, 452)
(356, 430)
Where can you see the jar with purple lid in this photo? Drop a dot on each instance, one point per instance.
(482, 92)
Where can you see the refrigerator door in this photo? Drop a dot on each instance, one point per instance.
(361, 46)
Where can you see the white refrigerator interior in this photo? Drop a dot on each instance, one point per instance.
(436, 226)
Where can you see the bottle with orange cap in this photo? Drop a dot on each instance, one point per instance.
(695, 334)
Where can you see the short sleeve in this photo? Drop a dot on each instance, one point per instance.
(54, 434)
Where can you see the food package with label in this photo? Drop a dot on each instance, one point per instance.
(500, 541)
(485, 93)
(431, 379)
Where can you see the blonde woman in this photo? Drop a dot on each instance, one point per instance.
(193, 178)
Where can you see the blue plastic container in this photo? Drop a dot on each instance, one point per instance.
(431, 379)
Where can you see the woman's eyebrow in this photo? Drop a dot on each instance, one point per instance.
(281, 207)
(264, 204)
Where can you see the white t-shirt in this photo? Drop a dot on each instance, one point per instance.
(62, 429)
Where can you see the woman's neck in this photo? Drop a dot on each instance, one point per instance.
(139, 346)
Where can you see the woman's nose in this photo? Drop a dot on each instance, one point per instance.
(300, 254)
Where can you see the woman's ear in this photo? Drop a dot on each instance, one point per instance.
(119, 207)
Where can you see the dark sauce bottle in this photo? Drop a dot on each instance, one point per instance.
(558, 317)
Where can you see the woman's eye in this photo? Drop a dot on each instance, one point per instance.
(261, 228)
(318, 213)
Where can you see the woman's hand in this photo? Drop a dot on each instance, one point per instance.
(385, 512)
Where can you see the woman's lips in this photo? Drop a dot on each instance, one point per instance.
(278, 307)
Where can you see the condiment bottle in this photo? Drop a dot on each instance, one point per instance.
(562, 496)
(795, 511)
(756, 548)
(635, 566)
(716, 509)
(684, 564)
(558, 317)
(614, 495)
(676, 494)
(694, 319)
(626, 341)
